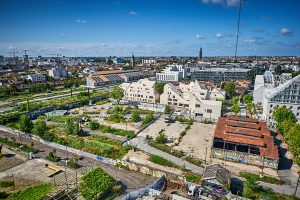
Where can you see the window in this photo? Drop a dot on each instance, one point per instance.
(198, 114)
(197, 105)
(150, 97)
(209, 110)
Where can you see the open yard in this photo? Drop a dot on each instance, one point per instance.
(197, 140)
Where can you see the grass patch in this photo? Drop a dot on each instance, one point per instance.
(115, 131)
(6, 183)
(194, 161)
(267, 179)
(193, 178)
(32, 193)
(161, 161)
(167, 149)
(17, 145)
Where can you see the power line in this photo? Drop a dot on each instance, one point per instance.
(238, 32)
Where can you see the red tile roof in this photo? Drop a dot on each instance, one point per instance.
(247, 131)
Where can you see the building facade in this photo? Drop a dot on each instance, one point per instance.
(58, 72)
(173, 73)
(140, 91)
(34, 78)
(219, 75)
(245, 140)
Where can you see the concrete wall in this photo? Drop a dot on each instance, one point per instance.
(245, 158)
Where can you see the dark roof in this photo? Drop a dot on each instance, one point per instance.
(216, 171)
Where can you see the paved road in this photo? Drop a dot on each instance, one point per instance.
(132, 180)
(140, 143)
(282, 189)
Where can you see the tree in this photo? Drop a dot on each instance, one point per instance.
(247, 98)
(74, 128)
(135, 117)
(250, 108)
(39, 128)
(149, 117)
(282, 113)
(25, 124)
(234, 100)
(229, 88)
(117, 94)
(278, 70)
(168, 109)
(161, 138)
(159, 87)
(235, 108)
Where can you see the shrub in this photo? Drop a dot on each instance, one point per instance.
(167, 149)
(73, 164)
(256, 177)
(94, 125)
(13, 144)
(52, 157)
(6, 183)
(148, 118)
(161, 161)
(161, 138)
(194, 160)
(191, 177)
(33, 193)
(95, 184)
(135, 117)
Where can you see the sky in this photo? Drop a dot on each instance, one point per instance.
(149, 27)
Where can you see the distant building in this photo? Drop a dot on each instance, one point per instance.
(140, 91)
(200, 54)
(117, 61)
(148, 61)
(58, 72)
(245, 140)
(173, 73)
(115, 76)
(36, 78)
(132, 60)
(218, 75)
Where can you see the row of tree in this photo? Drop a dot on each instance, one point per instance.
(248, 101)
(286, 124)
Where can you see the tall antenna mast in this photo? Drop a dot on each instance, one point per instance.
(238, 32)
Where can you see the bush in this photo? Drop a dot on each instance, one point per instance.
(6, 183)
(135, 117)
(73, 164)
(194, 161)
(191, 177)
(95, 184)
(12, 144)
(94, 125)
(148, 118)
(161, 138)
(161, 161)
(52, 157)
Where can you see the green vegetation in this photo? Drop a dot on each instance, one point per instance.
(117, 118)
(235, 108)
(191, 177)
(73, 128)
(247, 98)
(32, 193)
(234, 100)
(135, 117)
(184, 120)
(252, 190)
(6, 183)
(96, 184)
(286, 123)
(148, 118)
(159, 87)
(22, 147)
(39, 127)
(94, 125)
(194, 160)
(267, 179)
(72, 163)
(25, 124)
(167, 149)
(161, 138)
(117, 94)
(229, 88)
(115, 131)
(161, 161)
(168, 109)
(52, 156)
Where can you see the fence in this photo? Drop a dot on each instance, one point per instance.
(59, 146)
(157, 185)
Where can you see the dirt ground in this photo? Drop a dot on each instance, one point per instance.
(10, 160)
(172, 130)
(142, 158)
(20, 184)
(198, 140)
(130, 126)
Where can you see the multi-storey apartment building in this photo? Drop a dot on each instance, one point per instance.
(272, 92)
(219, 75)
(173, 73)
(194, 97)
(36, 78)
(140, 91)
(58, 72)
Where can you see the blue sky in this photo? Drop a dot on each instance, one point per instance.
(149, 27)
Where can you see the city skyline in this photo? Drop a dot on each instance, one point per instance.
(149, 28)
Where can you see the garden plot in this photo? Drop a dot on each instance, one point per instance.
(123, 126)
(197, 141)
(171, 130)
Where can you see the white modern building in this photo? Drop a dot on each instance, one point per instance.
(173, 73)
(271, 92)
(58, 72)
(34, 78)
(193, 97)
(148, 61)
(140, 91)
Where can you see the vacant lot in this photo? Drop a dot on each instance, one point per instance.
(172, 130)
(10, 159)
(198, 140)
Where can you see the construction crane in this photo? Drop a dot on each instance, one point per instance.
(14, 56)
(25, 51)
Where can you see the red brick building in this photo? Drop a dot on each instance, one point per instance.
(245, 140)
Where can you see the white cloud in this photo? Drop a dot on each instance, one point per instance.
(219, 35)
(229, 3)
(285, 31)
(81, 21)
(250, 40)
(132, 13)
(199, 37)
